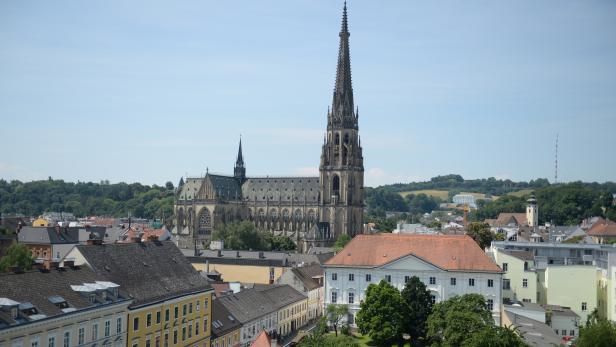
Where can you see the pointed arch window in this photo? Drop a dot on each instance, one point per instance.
(336, 185)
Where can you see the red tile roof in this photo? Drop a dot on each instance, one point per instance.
(263, 340)
(603, 228)
(449, 252)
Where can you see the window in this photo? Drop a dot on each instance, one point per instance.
(490, 283)
(189, 330)
(205, 325)
(81, 336)
(471, 282)
(175, 337)
(407, 279)
(135, 323)
(490, 304)
(505, 266)
(197, 328)
(432, 280)
(119, 325)
(584, 306)
(184, 310)
(351, 277)
(334, 297)
(51, 341)
(205, 302)
(157, 317)
(94, 331)
(572, 332)
(166, 315)
(506, 283)
(147, 342)
(67, 339)
(190, 308)
(368, 278)
(564, 332)
(351, 298)
(388, 278)
(183, 333)
(350, 318)
(525, 266)
(176, 312)
(525, 283)
(197, 305)
(34, 342)
(157, 341)
(452, 281)
(166, 340)
(107, 328)
(433, 299)
(525, 300)
(334, 276)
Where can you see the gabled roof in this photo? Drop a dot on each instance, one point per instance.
(250, 304)
(603, 228)
(262, 340)
(148, 271)
(306, 275)
(223, 321)
(448, 252)
(225, 187)
(522, 255)
(39, 289)
(505, 218)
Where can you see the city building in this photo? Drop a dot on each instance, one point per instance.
(69, 306)
(308, 280)
(603, 231)
(534, 332)
(53, 243)
(465, 199)
(311, 210)
(449, 265)
(519, 275)
(251, 266)
(278, 309)
(171, 300)
(225, 328)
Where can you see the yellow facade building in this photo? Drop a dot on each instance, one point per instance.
(171, 300)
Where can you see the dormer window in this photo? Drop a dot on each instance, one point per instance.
(59, 301)
(92, 298)
(14, 312)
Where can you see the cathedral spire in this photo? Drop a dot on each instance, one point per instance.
(342, 104)
(239, 171)
(240, 159)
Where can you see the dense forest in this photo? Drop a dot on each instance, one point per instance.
(86, 199)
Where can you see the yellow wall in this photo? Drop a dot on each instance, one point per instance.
(40, 222)
(516, 275)
(188, 321)
(242, 273)
(223, 341)
(572, 285)
(296, 312)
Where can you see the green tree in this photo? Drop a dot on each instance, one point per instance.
(336, 314)
(16, 255)
(597, 332)
(493, 336)
(381, 314)
(341, 242)
(481, 233)
(281, 243)
(418, 302)
(455, 320)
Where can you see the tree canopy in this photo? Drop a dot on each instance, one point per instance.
(481, 233)
(17, 255)
(336, 314)
(382, 314)
(455, 320)
(418, 302)
(341, 242)
(244, 235)
(597, 332)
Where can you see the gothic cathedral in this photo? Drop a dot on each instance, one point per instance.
(314, 211)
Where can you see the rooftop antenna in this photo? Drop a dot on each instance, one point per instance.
(556, 161)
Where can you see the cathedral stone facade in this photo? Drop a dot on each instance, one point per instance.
(314, 211)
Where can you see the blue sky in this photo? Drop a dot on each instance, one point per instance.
(149, 91)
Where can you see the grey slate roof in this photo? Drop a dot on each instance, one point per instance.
(225, 320)
(36, 287)
(56, 235)
(533, 332)
(285, 189)
(190, 188)
(250, 304)
(226, 187)
(268, 258)
(306, 274)
(148, 271)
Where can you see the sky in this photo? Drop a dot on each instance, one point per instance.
(149, 91)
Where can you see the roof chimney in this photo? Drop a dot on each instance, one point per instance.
(261, 256)
(219, 253)
(237, 254)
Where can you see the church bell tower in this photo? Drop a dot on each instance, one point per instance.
(341, 171)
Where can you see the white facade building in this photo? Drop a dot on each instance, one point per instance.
(448, 265)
